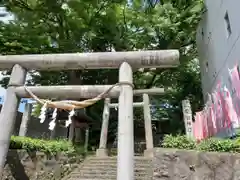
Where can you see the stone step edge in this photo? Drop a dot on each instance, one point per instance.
(139, 178)
(108, 172)
(100, 176)
(115, 164)
(115, 157)
(100, 168)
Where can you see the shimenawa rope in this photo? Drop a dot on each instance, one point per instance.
(70, 105)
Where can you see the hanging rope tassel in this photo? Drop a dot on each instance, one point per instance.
(52, 123)
(42, 116)
(69, 121)
(69, 105)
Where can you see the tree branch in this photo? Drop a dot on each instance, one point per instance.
(21, 4)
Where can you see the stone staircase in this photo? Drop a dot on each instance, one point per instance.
(95, 168)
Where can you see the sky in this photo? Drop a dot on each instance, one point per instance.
(2, 90)
(2, 97)
(21, 108)
(23, 101)
(21, 104)
(7, 17)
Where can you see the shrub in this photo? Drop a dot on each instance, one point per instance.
(219, 145)
(212, 144)
(180, 142)
(46, 146)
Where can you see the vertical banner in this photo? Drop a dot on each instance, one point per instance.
(187, 115)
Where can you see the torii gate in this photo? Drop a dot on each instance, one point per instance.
(125, 61)
(145, 104)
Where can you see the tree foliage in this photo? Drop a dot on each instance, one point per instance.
(43, 26)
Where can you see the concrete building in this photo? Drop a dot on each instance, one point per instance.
(218, 43)
(218, 46)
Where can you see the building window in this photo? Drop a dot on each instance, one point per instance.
(227, 23)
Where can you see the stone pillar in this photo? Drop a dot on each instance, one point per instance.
(78, 136)
(53, 132)
(9, 112)
(148, 126)
(71, 132)
(125, 157)
(25, 119)
(102, 151)
(187, 115)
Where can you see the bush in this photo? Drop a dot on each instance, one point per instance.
(212, 144)
(180, 142)
(218, 145)
(46, 146)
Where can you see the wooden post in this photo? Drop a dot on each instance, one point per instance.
(78, 136)
(86, 139)
(148, 126)
(125, 159)
(9, 111)
(102, 151)
(187, 115)
(25, 119)
(71, 132)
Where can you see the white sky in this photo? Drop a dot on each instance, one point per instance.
(7, 17)
(4, 19)
(2, 90)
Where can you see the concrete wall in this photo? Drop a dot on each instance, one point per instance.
(218, 49)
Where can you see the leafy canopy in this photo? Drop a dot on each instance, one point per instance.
(43, 26)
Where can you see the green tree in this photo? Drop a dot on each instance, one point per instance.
(43, 26)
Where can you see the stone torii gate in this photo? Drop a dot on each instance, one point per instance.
(102, 151)
(125, 61)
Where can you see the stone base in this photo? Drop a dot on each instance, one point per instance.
(148, 153)
(102, 153)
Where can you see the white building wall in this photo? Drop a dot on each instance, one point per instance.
(217, 50)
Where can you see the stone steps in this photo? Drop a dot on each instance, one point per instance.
(142, 178)
(114, 166)
(104, 172)
(100, 168)
(106, 169)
